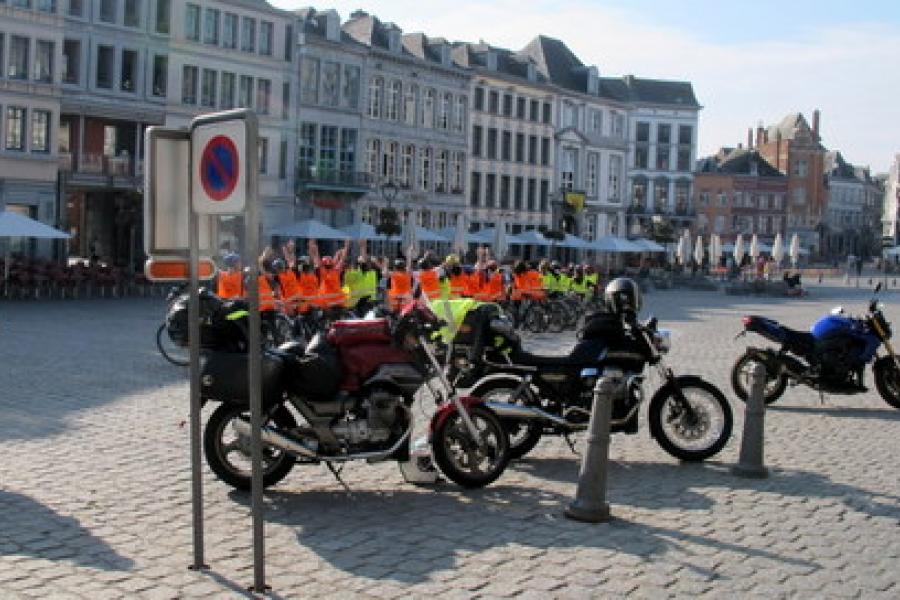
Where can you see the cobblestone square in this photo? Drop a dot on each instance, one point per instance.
(95, 498)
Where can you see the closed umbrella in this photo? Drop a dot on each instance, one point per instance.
(739, 249)
(679, 251)
(698, 251)
(410, 240)
(795, 250)
(713, 250)
(499, 243)
(754, 247)
(459, 235)
(778, 250)
(688, 248)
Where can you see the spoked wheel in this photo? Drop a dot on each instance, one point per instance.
(740, 380)
(523, 435)
(228, 453)
(171, 351)
(536, 320)
(462, 459)
(695, 431)
(887, 380)
(556, 318)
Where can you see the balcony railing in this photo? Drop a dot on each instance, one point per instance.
(331, 177)
(100, 165)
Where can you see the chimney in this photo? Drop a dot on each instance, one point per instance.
(778, 149)
(749, 137)
(759, 136)
(815, 124)
(765, 136)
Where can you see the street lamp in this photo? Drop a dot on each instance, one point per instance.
(388, 222)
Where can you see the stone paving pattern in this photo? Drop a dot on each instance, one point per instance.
(95, 502)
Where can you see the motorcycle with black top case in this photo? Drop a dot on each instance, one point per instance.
(347, 396)
(538, 395)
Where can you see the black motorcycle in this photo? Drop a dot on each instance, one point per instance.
(537, 395)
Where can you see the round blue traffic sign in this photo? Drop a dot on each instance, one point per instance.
(219, 168)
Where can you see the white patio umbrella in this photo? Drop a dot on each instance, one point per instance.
(532, 237)
(698, 251)
(795, 250)
(739, 249)
(644, 244)
(754, 247)
(362, 231)
(680, 254)
(13, 225)
(309, 229)
(778, 250)
(618, 245)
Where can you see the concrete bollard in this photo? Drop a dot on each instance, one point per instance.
(751, 463)
(590, 497)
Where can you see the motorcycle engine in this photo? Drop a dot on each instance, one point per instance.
(374, 424)
(629, 396)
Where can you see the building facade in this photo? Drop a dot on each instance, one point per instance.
(890, 219)
(851, 220)
(738, 192)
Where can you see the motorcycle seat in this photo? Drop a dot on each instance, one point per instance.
(800, 341)
(545, 361)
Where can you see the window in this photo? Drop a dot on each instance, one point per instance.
(520, 147)
(71, 60)
(493, 102)
(568, 168)
(532, 194)
(444, 112)
(132, 13)
(309, 80)
(548, 111)
(506, 146)
(48, 6)
(208, 88)
(477, 136)
(230, 31)
(76, 8)
(428, 108)
(192, 22)
(521, 104)
(459, 167)
(490, 190)
(393, 100)
(545, 195)
(507, 105)
(479, 98)
(288, 43)
(282, 159)
(104, 66)
(389, 161)
(593, 166)
(684, 158)
(43, 64)
(459, 117)
(532, 149)
(211, 27)
(685, 134)
(189, 77)
(18, 57)
(569, 114)
(350, 95)
(245, 92)
(534, 110)
(410, 100)
(347, 157)
(40, 131)
(800, 168)
(799, 196)
(263, 156)
(406, 166)
(440, 172)
(108, 11)
(518, 193)
(128, 75)
(504, 191)
(618, 125)
(475, 191)
(662, 157)
(491, 143)
(163, 16)
(640, 157)
(306, 151)
(373, 154)
(160, 75)
(331, 83)
(248, 34)
(285, 100)
(663, 134)
(15, 128)
(424, 173)
(226, 98)
(642, 132)
(375, 88)
(328, 151)
(615, 174)
(597, 121)
(266, 32)
(545, 151)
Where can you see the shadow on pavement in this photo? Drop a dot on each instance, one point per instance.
(407, 535)
(890, 414)
(31, 529)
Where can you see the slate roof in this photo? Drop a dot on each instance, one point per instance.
(737, 161)
(556, 62)
(651, 91)
(313, 22)
(788, 126)
(367, 29)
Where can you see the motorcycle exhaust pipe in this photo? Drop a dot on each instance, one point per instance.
(505, 410)
(271, 437)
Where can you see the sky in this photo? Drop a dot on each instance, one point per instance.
(749, 62)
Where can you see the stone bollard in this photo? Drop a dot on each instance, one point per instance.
(750, 463)
(590, 497)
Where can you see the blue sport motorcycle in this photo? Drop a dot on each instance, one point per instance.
(830, 358)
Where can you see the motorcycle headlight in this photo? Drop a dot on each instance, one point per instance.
(662, 340)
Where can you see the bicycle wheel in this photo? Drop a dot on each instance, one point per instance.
(174, 353)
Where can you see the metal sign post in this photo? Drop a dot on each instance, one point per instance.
(225, 180)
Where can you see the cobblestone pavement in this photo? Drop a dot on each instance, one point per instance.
(94, 487)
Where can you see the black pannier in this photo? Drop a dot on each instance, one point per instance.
(315, 374)
(223, 377)
(217, 330)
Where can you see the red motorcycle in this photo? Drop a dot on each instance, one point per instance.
(348, 396)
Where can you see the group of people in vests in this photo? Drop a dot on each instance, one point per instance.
(297, 285)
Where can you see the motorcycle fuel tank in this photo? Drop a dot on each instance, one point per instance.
(834, 325)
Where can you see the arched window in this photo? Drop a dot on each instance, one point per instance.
(375, 89)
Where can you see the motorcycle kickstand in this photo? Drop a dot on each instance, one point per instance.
(337, 475)
(571, 444)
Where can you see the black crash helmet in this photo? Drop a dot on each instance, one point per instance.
(623, 296)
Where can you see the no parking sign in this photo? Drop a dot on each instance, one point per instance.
(220, 172)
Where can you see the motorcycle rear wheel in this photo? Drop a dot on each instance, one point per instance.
(276, 463)
(523, 435)
(887, 380)
(458, 457)
(740, 380)
(696, 435)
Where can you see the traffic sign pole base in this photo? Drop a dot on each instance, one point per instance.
(750, 471)
(588, 514)
(198, 567)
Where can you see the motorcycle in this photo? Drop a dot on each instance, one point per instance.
(353, 389)
(537, 395)
(830, 358)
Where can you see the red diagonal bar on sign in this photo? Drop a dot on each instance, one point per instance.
(213, 158)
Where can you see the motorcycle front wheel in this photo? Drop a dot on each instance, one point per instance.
(523, 435)
(228, 454)
(887, 380)
(695, 432)
(461, 458)
(740, 380)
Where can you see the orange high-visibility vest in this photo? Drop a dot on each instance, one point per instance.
(430, 283)
(290, 290)
(473, 284)
(266, 295)
(491, 288)
(230, 284)
(520, 286)
(308, 290)
(401, 288)
(458, 285)
(534, 285)
(330, 292)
